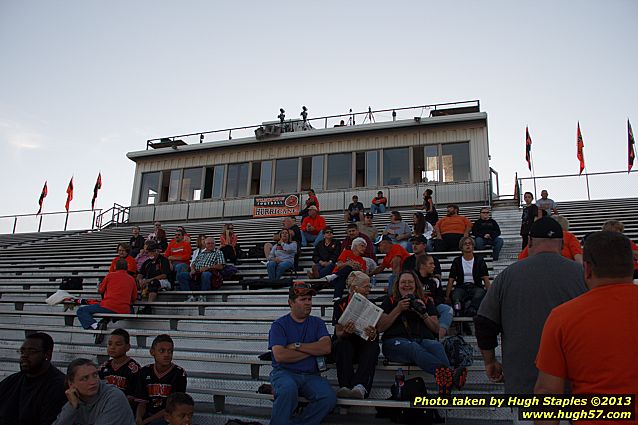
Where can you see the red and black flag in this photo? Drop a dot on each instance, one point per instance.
(98, 186)
(528, 149)
(69, 194)
(631, 151)
(579, 149)
(43, 195)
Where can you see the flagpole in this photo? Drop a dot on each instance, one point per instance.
(531, 161)
(587, 181)
(66, 220)
(40, 224)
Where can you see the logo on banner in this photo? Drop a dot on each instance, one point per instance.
(277, 206)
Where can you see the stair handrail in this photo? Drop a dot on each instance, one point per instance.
(119, 214)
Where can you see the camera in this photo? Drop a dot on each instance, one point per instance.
(416, 305)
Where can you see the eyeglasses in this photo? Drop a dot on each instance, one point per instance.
(485, 212)
(28, 351)
(327, 231)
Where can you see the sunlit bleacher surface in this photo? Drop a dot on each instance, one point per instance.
(218, 341)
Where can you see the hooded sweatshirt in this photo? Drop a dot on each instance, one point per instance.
(108, 407)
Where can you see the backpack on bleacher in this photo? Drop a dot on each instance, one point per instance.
(73, 283)
(458, 351)
(413, 387)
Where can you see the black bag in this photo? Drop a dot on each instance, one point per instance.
(267, 283)
(256, 251)
(458, 351)
(413, 387)
(73, 283)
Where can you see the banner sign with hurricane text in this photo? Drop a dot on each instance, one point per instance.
(277, 205)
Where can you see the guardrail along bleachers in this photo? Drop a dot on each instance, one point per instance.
(217, 341)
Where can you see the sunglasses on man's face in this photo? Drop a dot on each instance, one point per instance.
(328, 231)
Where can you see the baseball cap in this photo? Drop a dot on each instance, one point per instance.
(383, 238)
(152, 246)
(301, 288)
(546, 228)
(419, 238)
(369, 214)
(312, 207)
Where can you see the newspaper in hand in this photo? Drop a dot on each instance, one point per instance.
(362, 312)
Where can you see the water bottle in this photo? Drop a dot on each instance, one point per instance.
(399, 381)
(457, 309)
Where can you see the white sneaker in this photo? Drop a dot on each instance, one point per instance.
(190, 299)
(358, 392)
(343, 392)
(265, 263)
(330, 277)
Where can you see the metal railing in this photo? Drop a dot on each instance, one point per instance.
(599, 185)
(330, 200)
(116, 215)
(37, 219)
(350, 118)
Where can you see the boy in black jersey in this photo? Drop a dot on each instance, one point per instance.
(121, 370)
(157, 381)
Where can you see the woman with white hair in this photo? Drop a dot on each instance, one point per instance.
(349, 260)
(350, 348)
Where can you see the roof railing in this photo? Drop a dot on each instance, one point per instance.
(340, 120)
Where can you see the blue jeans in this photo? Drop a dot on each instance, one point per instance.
(85, 314)
(184, 281)
(277, 270)
(288, 386)
(309, 237)
(446, 313)
(496, 245)
(325, 271)
(428, 354)
(375, 209)
(471, 293)
(180, 268)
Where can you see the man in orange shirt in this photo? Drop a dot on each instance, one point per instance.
(312, 227)
(395, 254)
(179, 253)
(119, 291)
(617, 226)
(590, 341)
(450, 229)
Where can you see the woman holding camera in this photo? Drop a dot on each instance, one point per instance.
(411, 326)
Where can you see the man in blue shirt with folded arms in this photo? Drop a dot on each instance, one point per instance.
(298, 341)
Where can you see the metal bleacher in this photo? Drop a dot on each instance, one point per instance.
(217, 341)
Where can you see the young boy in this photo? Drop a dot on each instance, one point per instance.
(121, 370)
(179, 409)
(157, 381)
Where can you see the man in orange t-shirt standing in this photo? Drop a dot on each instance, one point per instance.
(312, 227)
(450, 229)
(590, 341)
(179, 253)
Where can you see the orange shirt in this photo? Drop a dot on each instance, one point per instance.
(579, 345)
(396, 251)
(119, 290)
(453, 224)
(634, 247)
(571, 247)
(182, 250)
(319, 223)
(132, 265)
(346, 255)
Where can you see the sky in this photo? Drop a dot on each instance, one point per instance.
(84, 82)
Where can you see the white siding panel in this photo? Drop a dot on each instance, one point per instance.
(238, 207)
(141, 214)
(171, 212)
(206, 209)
